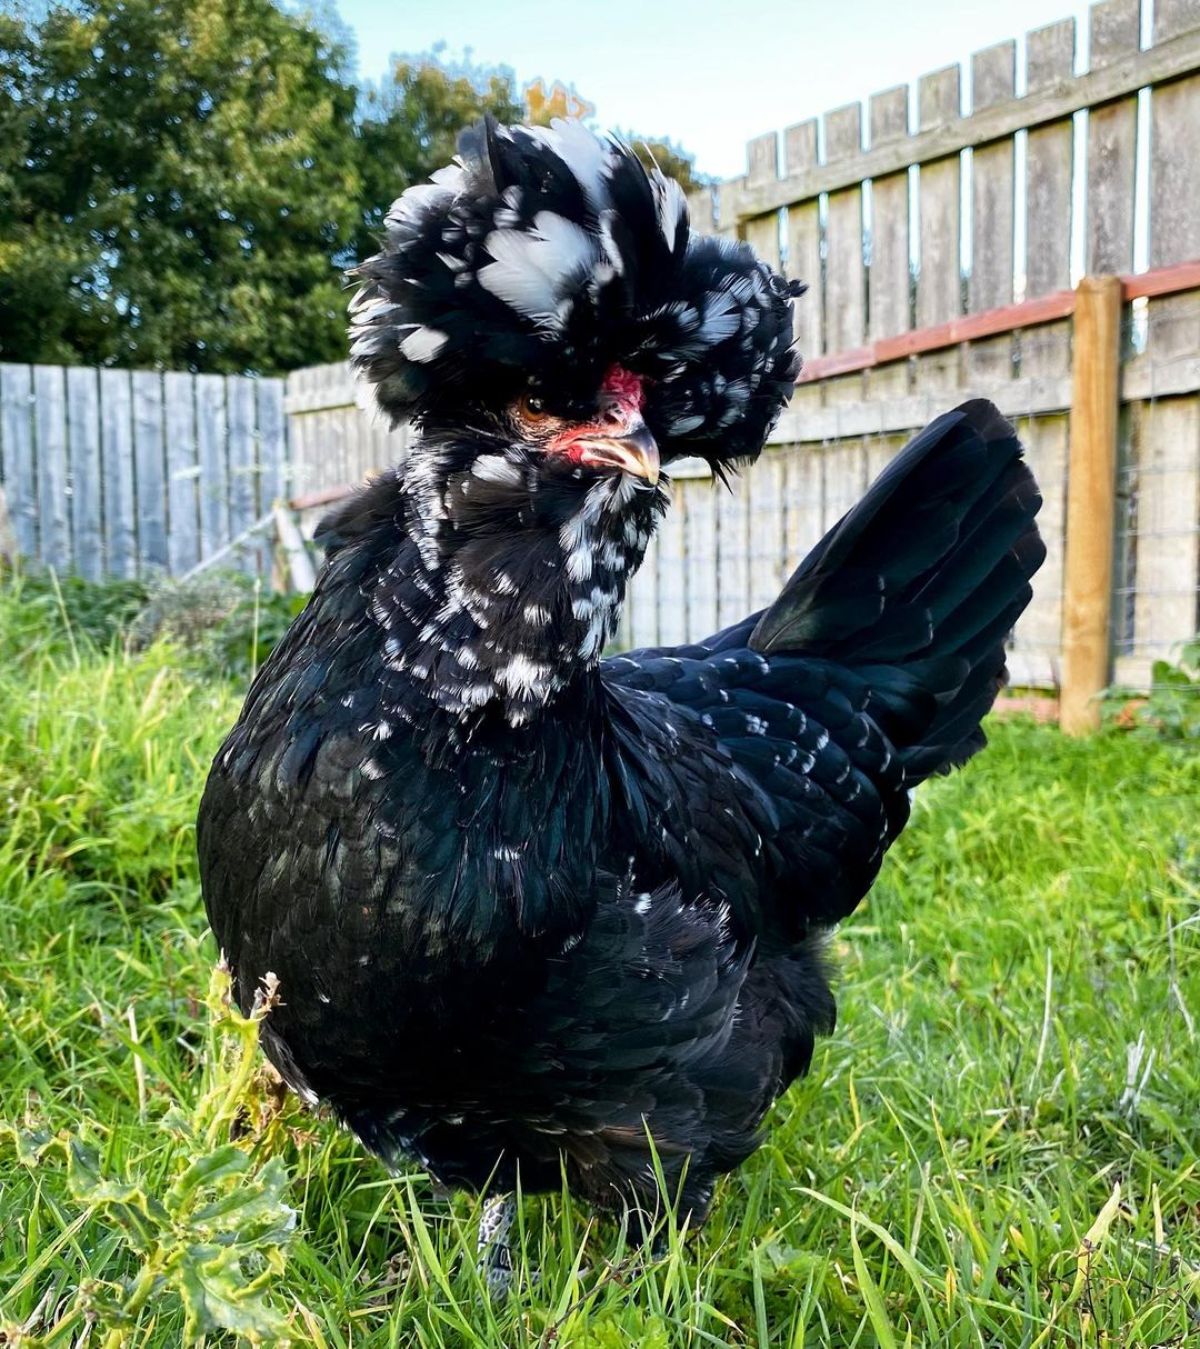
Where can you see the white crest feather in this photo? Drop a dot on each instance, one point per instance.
(532, 269)
(423, 344)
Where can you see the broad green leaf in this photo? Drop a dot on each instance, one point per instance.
(217, 1295)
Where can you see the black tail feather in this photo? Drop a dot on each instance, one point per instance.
(920, 584)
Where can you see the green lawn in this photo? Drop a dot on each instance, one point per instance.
(999, 1146)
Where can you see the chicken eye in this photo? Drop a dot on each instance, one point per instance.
(530, 414)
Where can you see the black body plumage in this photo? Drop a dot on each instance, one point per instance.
(526, 904)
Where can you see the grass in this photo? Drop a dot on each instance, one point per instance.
(999, 1146)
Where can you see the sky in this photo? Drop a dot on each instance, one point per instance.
(708, 75)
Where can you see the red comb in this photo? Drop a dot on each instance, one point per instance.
(624, 383)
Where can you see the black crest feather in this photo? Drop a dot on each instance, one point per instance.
(544, 256)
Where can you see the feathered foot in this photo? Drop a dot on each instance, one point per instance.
(494, 1254)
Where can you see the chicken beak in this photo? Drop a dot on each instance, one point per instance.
(634, 452)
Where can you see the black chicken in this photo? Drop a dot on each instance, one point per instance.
(529, 907)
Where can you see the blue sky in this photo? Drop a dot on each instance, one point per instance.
(710, 75)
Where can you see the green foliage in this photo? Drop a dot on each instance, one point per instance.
(46, 610)
(99, 757)
(223, 623)
(226, 621)
(182, 175)
(183, 183)
(1019, 1035)
(213, 1227)
(1173, 708)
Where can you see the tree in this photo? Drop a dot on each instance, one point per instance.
(37, 257)
(182, 182)
(176, 178)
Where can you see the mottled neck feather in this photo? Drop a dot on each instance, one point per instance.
(513, 581)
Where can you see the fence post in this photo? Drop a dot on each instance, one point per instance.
(1091, 502)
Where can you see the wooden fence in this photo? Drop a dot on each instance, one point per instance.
(941, 249)
(940, 262)
(334, 437)
(117, 474)
(721, 554)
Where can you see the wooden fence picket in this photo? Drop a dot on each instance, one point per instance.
(116, 450)
(150, 471)
(17, 454)
(183, 473)
(87, 493)
(50, 431)
(211, 438)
